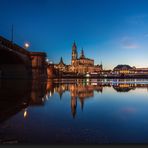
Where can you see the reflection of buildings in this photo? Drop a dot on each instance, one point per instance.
(25, 93)
(124, 87)
(126, 69)
(122, 69)
(81, 91)
(49, 88)
(38, 92)
(73, 104)
(81, 65)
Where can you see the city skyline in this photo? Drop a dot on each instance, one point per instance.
(114, 32)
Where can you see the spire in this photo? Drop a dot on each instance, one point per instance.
(74, 46)
(82, 54)
(101, 65)
(61, 61)
(74, 52)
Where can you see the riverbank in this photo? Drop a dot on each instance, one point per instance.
(104, 77)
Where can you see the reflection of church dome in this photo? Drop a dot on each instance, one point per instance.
(122, 89)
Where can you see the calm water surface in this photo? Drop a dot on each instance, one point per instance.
(73, 111)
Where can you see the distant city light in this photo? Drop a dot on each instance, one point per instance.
(87, 75)
(87, 80)
(47, 60)
(51, 62)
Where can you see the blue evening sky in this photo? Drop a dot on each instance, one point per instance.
(111, 31)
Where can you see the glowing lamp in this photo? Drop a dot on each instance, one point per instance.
(26, 45)
(25, 113)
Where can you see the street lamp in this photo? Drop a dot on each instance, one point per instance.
(26, 45)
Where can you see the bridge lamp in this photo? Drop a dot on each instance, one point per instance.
(26, 45)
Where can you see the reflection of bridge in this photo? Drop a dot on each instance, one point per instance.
(17, 62)
(25, 93)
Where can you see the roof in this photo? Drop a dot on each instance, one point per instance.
(123, 67)
(141, 69)
(85, 59)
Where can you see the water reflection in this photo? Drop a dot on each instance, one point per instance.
(78, 91)
(16, 95)
(57, 111)
(85, 89)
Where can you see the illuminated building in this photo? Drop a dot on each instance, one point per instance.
(81, 65)
(126, 69)
(122, 69)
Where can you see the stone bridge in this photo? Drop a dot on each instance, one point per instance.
(18, 63)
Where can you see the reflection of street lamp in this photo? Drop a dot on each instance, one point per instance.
(25, 113)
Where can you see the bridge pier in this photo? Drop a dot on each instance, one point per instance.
(39, 65)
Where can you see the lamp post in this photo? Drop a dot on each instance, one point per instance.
(26, 45)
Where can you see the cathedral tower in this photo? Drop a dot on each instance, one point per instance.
(74, 53)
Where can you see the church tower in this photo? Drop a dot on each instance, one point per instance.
(74, 53)
(82, 56)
